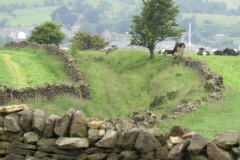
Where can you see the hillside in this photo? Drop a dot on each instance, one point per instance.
(215, 18)
(230, 3)
(32, 15)
(127, 79)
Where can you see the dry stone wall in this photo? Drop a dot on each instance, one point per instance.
(79, 88)
(33, 135)
(213, 84)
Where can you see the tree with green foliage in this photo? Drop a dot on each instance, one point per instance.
(84, 41)
(155, 23)
(104, 6)
(47, 33)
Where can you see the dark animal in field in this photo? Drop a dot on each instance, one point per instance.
(230, 52)
(203, 52)
(178, 48)
(220, 53)
(238, 52)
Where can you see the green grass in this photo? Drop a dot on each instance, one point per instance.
(126, 80)
(230, 3)
(30, 16)
(29, 68)
(220, 116)
(227, 66)
(217, 19)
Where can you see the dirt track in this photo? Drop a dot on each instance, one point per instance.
(17, 72)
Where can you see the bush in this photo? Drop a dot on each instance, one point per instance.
(84, 41)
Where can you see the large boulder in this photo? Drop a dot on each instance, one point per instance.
(179, 151)
(216, 153)
(197, 144)
(109, 140)
(62, 125)
(39, 121)
(11, 123)
(25, 120)
(79, 125)
(226, 140)
(49, 127)
(128, 138)
(146, 142)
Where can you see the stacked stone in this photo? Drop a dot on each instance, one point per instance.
(35, 135)
(213, 84)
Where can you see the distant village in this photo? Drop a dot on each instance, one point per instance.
(21, 34)
(121, 40)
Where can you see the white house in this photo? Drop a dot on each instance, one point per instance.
(21, 35)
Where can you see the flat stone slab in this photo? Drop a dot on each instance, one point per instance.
(71, 143)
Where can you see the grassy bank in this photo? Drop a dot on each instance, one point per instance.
(222, 115)
(127, 79)
(28, 68)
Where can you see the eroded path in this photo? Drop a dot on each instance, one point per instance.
(17, 72)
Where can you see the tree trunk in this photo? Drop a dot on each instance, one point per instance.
(151, 49)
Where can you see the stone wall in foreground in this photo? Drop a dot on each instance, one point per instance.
(33, 135)
(79, 88)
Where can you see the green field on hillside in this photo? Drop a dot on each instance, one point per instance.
(29, 68)
(220, 116)
(230, 3)
(217, 19)
(30, 16)
(127, 79)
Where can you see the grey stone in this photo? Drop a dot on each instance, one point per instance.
(71, 143)
(112, 156)
(108, 140)
(14, 157)
(132, 155)
(197, 144)
(25, 120)
(30, 137)
(11, 123)
(97, 156)
(79, 125)
(23, 145)
(226, 140)
(38, 124)
(216, 153)
(62, 125)
(179, 150)
(49, 126)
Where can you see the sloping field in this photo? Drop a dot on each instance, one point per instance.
(227, 66)
(126, 80)
(217, 19)
(26, 68)
(230, 3)
(222, 115)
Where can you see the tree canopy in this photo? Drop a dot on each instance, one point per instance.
(47, 33)
(155, 23)
(84, 41)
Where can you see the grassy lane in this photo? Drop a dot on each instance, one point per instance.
(17, 71)
(28, 68)
(5, 77)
